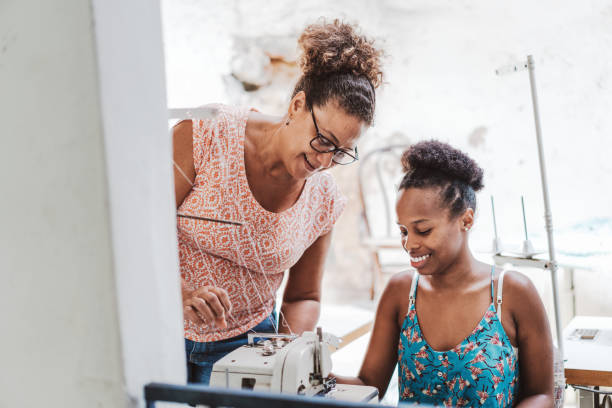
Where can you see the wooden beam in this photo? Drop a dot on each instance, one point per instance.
(588, 377)
(355, 334)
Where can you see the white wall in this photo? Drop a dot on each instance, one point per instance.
(60, 342)
(89, 300)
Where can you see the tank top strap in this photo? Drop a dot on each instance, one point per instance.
(413, 288)
(500, 287)
(492, 281)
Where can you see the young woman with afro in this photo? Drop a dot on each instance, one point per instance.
(443, 323)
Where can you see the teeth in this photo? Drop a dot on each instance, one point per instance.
(419, 258)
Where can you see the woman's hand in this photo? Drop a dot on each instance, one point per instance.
(205, 305)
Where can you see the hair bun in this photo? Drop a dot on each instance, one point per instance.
(441, 157)
(337, 48)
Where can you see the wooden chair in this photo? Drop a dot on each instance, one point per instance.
(380, 172)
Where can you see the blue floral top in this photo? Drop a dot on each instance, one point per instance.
(481, 371)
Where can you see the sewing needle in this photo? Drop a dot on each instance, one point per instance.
(195, 217)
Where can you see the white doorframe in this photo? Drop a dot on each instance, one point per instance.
(139, 169)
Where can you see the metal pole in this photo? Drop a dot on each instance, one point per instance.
(547, 212)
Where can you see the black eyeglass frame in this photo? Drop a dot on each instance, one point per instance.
(335, 148)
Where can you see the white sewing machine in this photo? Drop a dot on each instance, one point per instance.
(287, 364)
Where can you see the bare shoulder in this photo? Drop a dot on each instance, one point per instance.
(401, 281)
(182, 142)
(516, 283)
(521, 297)
(394, 300)
(183, 131)
(397, 288)
(184, 168)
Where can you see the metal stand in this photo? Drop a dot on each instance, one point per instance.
(547, 211)
(552, 263)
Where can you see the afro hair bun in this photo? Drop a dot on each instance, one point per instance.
(336, 47)
(438, 157)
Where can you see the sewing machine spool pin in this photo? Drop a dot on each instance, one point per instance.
(268, 348)
(497, 245)
(527, 251)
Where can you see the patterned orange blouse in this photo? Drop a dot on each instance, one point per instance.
(247, 260)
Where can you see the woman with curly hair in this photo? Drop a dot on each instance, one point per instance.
(443, 323)
(254, 198)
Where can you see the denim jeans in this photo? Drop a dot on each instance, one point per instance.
(202, 356)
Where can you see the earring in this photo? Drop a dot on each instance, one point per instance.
(287, 122)
(466, 228)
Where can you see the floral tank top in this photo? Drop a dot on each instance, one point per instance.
(480, 371)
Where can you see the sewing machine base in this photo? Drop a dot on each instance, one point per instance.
(289, 365)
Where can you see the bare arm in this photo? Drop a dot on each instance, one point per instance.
(381, 356)
(534, 342)
(302, 298)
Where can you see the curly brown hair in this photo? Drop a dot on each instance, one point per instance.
(340, 64)
(436, 164)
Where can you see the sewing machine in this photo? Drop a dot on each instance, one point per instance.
(287, 364)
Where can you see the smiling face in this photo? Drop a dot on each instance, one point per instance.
(337, 126)
(433, 239)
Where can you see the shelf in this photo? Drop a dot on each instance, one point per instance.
(520, 261)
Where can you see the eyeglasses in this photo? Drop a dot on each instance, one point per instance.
(322, 144)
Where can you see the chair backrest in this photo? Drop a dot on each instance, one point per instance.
(380, 172)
